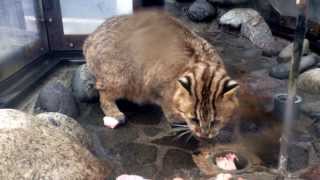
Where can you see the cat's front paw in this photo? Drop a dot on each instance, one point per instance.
(113, 122)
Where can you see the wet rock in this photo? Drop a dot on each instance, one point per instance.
(262, 92)
(134, 156)
(151, 131)
(252, 26)
(172, 141)
(124, 134)
(312, 174)
(286, 54)
(315, 130)
(37, 151)
(176, 160)
(83, 85)
(185, 0)
(201, 10)
(309, 81)
(225, 136)
(298, 158)
(228, 2)
(68, 126)
(54, 97)
(281, 71)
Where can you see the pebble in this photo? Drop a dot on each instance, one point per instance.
(201, 10)
(309, 81)
(286, 54)
(281, 71)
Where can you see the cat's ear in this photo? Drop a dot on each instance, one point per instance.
(230, 88)
(185, 82)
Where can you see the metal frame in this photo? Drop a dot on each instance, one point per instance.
(26, 54)
(61, 42)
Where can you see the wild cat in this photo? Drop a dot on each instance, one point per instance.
(150, 57)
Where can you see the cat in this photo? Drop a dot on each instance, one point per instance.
(151, 57)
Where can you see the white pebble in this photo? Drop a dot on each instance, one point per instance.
(129, 177)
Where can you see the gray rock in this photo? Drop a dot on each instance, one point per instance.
(201, 10)
(137, 154)
(252, 26)
(281, 71)
(309, 81)
(175, 160)
(236, 17)
(54, 97)
(83, 85)
(259, 33)
(286, 54)
(37, 151)
(298, 158)
(228, 2)
(66, 125)
(315, 130)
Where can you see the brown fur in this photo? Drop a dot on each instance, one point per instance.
(148, 57)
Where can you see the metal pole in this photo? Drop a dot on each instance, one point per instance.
(293, 75)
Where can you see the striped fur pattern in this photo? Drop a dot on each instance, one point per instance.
(150, 57)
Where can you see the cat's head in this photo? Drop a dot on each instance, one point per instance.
(205, 98)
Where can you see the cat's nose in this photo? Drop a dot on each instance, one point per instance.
(204, 134)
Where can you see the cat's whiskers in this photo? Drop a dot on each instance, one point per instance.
(180, 125)
(189, 137)
(182, 134)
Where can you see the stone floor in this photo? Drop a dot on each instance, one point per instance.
(145, 145)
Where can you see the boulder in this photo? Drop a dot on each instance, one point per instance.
(253, 27)
(66, 125)
(83, 85)
(54, 97)
(33, 150)
(309, 81)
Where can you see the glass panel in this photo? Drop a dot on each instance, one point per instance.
(20, 37)
(83, 16)
(289, 8)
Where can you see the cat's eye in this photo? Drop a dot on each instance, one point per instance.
(185, 81)
(229, 85)
(195, 120)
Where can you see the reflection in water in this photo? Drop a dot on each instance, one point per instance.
(83, 16)
(18, 26)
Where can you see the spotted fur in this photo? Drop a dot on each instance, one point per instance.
(150, 57)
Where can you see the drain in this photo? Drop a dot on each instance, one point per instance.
(239, 161)
(244, 161)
